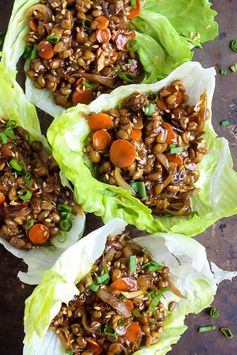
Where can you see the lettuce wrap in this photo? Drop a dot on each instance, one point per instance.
(15, 106)
(189, 269)
(218, 181)
(167, 31)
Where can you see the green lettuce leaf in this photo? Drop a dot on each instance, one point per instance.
(216, 199)
(163, 38)
(15, 106)
(189, 271)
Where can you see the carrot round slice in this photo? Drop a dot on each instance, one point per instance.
(82, 96)
(135, 12)
(170, 137)
(103, 22)
(122, 153)
(124, 284)
(103, 36)
(2, 198)
(100, 120)
(38, 233)
(133, 332)
(45, 49)
(136, 134)
(175, 158)
(101, 140)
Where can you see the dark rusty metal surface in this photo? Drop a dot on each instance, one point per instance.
(220, 240)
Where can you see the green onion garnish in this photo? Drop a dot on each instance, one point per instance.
(174, 149)
(133, 4)
(156, 296)
(233, 67)
(223, 71)
(27, 52)
(11, 124)
(29, 223)
(126, 77)
(27, 179)
(137, 313)
(109, 331)
(104, 276)
(132, 263)
(65, 211)
(206, 329)
(84, 23)
(2, 37)
(132, 45)
(9, 133)
(225, 123)
(233, 45)
(88, 85)
(94, 287)
(3, 138)
(227, 333)
(54, 38)
(25, 195)
(65, 225)
(139, 187)
(149, 109)
(16, 165)
(213, 313)
(152, 266)
(62, 237)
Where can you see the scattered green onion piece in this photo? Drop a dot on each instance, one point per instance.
(70, 352)
(64, 209)
(132, 45)
(11, 124)
(149, 109)
(132, 263)
(206, 329)
(104, 277)
(156, 296)
(233, 67)
(110, 331)
(88, 85)
(62, 237)
(52, 247)
(65, 225)
(225, 123)
(27, 179)
(2, 37)
(66, 214)
(16, 165)
(152, 266)
(122, 298)
(213, 312)
(227, 333)
(139, 187)
(174, 149)
(25, 195)
(94, 287)
(133, 4)
(126, 77)
(3, 138)
(33, 54)
(27, 52)
(54, 38)
(223, 71)
(29, 223)
(233, 45)
(9, 133)
(137, 313)
(84, 23)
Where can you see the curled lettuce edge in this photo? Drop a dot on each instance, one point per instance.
(218, 180)
(15, 106)
(189, 270)
(166, 44)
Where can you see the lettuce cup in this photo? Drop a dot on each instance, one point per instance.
(38, 214)
(115, 295)
(74, 50)
(149, 154)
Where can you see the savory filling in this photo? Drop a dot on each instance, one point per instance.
(34, 206)
(152, 145)
(80, 49)
(119, 308)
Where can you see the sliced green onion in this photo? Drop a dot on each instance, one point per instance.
(133, 4)
(27, 52)
(132, 263)
(9, 133)
(174, 149)
(25, 195)
(11, 124)
(3, 138)
(206, 329)
(152, 266)
(223, 71)
(139, 187)
(84, 23)
(126, 77)
(16, 165)
(62, 237)
(213, 312)
(156, 296)
(27, 179)
(104, 277)
(54, 38)
(88, 85)
(65, 212)
(2, 37)
(227, 333)
(65, 225)
(110, 331)
(233, 67)
(225, 123)
(29, 223)
(94, 287)
(132, 45)
(233, 45)
(149, 109)
(137, 313)
(70, 352)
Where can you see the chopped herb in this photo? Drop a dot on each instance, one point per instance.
(65, 225)
(25, 195)
(2, 37)
(133, 4)
(88, 85)
(223, 71)
(206, 329)
(149, 109)
(29, 223)
(94, 287)
(233, 68)
(11, 124)
(233, 45)
(132, 263)
(174, 149)
(225, 123)
(109, 331)
(87, 20)
(9, 132)
(3, 138)
(137, 313)
(62, 237)
(30, 52)
(54, 38)
(132, 45)
(152, 266)
(127, 77)
(156, 296)
(27, 179)
(139, 187)
(227, 333)
(104, 276)
(66, 217)
(213, 313)
(16, 164)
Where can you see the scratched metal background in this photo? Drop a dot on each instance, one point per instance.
(220, 240)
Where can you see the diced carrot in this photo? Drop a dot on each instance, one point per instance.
(38, 233)
(122, 153)
(33, 25)
(101, 140)
(93, 346)
(175, 158)
(135, 12)
(103, 36)
(82, 96)
(170, 137)
(129, 304)
(133, 332)
(2, 198)
(103, 22)
(136, 134)
(6, 151)
(45, 49)
(124, 284)
(100, 120)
